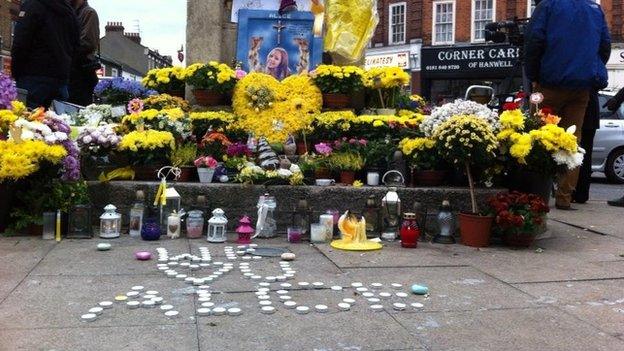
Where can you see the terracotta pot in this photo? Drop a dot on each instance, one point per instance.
(146, 172)
(475, 230)
(347, 177)
(336, 101)
(176, 93)
(518, 240)
(429, 178)
(322, 173)
(207, 97)
(301, 148)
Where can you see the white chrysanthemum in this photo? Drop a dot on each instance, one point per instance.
(284, 173)
(570, 160)
(460, 107)
(295, 168)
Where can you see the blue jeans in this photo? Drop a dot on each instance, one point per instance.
(42, 90)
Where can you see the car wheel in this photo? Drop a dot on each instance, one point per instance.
(615, 166)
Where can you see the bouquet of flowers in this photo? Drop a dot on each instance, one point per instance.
(215, 144)
(250, 173)
(98, 141)
(467, 140)
(202, 122)
(94, 114)
(166, 79)
(213, 76)
(118, 91)
(332, 79)
(165, 102)
(518, 213)
(387, 82)
(206, 162)
(147, 147)
(236, 155)
(441, 114)
(422, 153)
(171, 120)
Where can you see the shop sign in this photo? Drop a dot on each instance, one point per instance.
(469, 61)
(616, 58)
(400, 59)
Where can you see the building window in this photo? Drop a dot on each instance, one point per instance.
(397, 23)
(443, 22)
(482, 13)
(114, 72)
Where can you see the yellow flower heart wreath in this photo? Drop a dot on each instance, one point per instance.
(274, 110)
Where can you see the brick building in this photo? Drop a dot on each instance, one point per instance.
(445, 47)
(9, 10)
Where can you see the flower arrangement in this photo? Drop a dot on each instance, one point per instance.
(118, 91)
(332, 79)
(441, 114)
(206, 162)
(8, 91)
(377, 152)
(346, 161)
(236, 155)
(9, 115)
(98, 141)
(147, 147)
(387, 82)
(295, 102)
(414, 103)
(135, 106)
(253, 174)
(171, 120)
(211, 120)
(93, 115)
(518, 213)
(165, 79)
(165, 102)
(19, 160)
(183, 155)
(466, 140)
(213, 76)
(215, 144)
(538, 143)
(421, 152)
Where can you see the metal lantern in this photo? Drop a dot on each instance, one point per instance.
(446, 225)
(371, 214)
(244, 231)
(420, 211)
(217, 226)
(391, 213)
(172, 205)
(110, 223)
(80, 222)
(301, 216)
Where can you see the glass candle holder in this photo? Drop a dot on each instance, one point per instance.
(195, 224)
(294, 234)
(49, 225)
(318, 233)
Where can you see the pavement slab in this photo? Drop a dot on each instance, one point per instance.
(543, 329)
(87, 338)
(594, 215)
(18, 256)
(599, 303)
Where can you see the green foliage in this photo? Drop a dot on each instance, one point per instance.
(184, 155)
(346, 161)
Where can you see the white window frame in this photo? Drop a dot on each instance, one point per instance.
(390, 7)
(433, 22)
(473, 23)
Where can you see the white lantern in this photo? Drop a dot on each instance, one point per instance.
(110, 223)
(391, 214)
(172, 205)
(217, 226)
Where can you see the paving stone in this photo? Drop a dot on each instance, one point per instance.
(600, 303)
(59, 301)
(358, 329)
(450, 288)
(543, 329)
(597, 216)
(86, 338)
(18, 256)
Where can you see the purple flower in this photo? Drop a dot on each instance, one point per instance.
(237, 150)
(8, 92)
(323, 149)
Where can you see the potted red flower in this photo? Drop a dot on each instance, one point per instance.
(517, 216)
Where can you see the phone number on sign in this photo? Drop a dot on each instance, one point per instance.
(441, 67)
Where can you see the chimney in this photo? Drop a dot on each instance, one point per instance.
(135, 37)
(114, 27)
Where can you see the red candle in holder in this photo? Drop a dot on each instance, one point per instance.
(244, 231)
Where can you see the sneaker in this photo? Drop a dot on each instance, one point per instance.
(617, 203)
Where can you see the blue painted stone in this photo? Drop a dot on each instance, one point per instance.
(420, 289)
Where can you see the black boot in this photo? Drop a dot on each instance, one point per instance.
(618, 203)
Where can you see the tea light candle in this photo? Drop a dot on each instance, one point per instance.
(282, 292)
(157, 300)
(361, 289)
(208, 304)
(336, 288)
(137, 288)
(280, 278)
(143, 255)
(417, 305)
(290, 304)
(103, 246)
(264, 297)
(96, 310)
(89, 317)
(120, 298)
(152, 292)
(106, 304)
(285, 297)
(203, 311)
(234, 311)
(396, 286)
(377, 308)
(343, 306)
(218, 311)
(317, 285)
(264, 303)
(357, 285)
(133, 304)
(267, 309)
(373, 300)
(368, 295)
(270, 279)
(302, 309)
(321, 308)
(173, 226)
(148, 304)
(286, 285)
(304, 285)
(398, 306)
(349, 301)
(385, 295)
(172, 314)
(401, 294)
(166, 307)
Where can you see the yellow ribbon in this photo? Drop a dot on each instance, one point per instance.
(161, 194)
(119, 173)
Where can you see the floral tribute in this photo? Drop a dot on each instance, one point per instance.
(518, 213)
(338, 79)
(441, 114)
(119, 91)
(165, 79)
(213, 76)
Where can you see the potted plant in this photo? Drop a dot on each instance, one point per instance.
(385, 84)
(119, 91)
(206, 166)
(167, 80)
(322, 166)
(517, 217)
(424, 160)
(210, 82)
(347, 163)
(236, 156)
(165, 102)
(147, 151)
(466, 141)
(376, 155)
(97, 145)
(183, 157)
(337, 83)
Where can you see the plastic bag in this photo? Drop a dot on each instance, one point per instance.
(350, 25)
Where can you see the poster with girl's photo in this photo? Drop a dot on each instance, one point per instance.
(277, 45)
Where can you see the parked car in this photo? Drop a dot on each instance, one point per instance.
(608, 154)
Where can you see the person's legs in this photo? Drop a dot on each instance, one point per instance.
(581, 194)
(81, 89)
(40, 91)
(572, 114)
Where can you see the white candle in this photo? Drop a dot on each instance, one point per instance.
(173, 226)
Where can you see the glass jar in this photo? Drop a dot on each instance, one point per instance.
(151, 229)
(409, 231)
(195, 224)
(266, 217)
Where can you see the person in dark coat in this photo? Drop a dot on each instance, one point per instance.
(591, 123)
(83, 77)
(566, 45)
(44, 42)
(613, 105)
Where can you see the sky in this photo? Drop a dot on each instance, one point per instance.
(162, 22)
